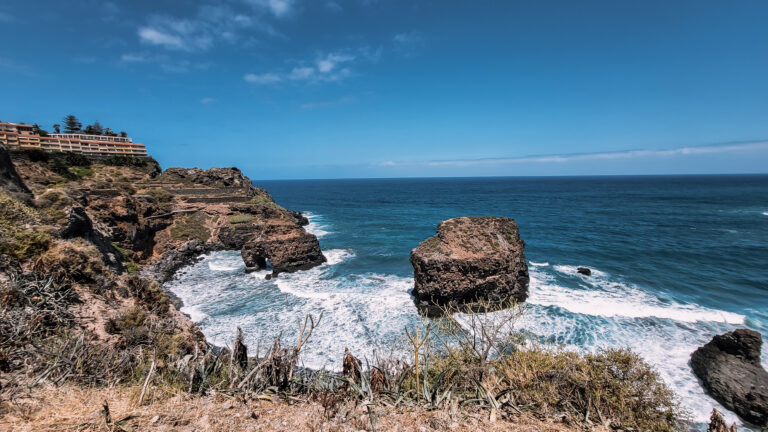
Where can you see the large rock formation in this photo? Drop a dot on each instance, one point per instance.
(470, 259)
(729, 368)
(285, 245)
(10, 181)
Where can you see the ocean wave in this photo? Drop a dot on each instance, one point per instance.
(608, 298)
(316, 225)
(225, 263)
(765, 213)
(535, 264)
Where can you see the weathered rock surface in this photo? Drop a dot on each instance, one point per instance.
(729, 368)
(214, 177)
(10, 181)
(79, 224)
(286, 246)
(585, 271)
(470, 259)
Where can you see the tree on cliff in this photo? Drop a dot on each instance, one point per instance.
(71, 124)
(94, 129)
(57, 128)
(36, 130)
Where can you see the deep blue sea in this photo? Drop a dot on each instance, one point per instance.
(675, 261)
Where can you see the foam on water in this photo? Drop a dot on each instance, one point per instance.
(316, 225)
(366, 311)
(363, 312)
(601, 296)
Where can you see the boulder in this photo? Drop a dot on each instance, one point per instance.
(470, 259)
(585, 271)
(729, 369)
(285, 245)
(10, 181)
(300, 218)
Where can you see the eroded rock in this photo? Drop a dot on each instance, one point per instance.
(285, 245)
(470, 259)
(730, 370)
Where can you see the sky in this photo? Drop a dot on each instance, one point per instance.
(289, 89)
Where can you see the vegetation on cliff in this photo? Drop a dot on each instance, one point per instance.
(70, 319)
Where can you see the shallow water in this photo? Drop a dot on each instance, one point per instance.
(675, 260)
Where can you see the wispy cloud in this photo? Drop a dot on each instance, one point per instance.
(408, 43)
(565, 158)
(266, 78)
(278, 8)
(200, 32)
(330, 67)
(207, 100)
(329, 103)
(5, 17)
(166, 63)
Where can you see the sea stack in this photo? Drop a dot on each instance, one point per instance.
(470, 260)
(730, 370)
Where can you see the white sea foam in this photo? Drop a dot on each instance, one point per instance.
(368, 311)
(765, 213)
(316, 225)
(598, 295)
(535, 264)
(574, 270)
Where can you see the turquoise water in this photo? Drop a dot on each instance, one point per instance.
(675, 260)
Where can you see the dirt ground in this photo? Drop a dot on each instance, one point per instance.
(78, 409)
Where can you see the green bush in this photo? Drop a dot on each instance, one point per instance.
(161, 195)
(20, 237)
(191, 227)
(240, 219)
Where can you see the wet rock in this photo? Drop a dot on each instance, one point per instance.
(285, 245)
(729, 369)
(585, 271)
(170, 262)
(470, 259)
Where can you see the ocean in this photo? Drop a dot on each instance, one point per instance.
(675, 260)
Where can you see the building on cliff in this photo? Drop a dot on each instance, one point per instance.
(20, 136)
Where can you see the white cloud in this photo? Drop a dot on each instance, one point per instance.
(325, 68)
(329, 62)
(301, 73)
(207, 100)
(133, 58)
(278, 8)
(158, 37)
(628, 154)
(6, 17)
(408, 43)
(267, 78)
(211, 24)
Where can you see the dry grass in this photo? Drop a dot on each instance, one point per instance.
(82, 409)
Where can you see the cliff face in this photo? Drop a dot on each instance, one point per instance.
(166, 219)
(470, 259)
(84, 246)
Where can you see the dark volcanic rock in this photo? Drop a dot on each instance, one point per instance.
(303, 221)
(170, 262)
(729, 368)
(585, 271)
(470, 259)
(214, 177)
(287, 247)
(10, 181)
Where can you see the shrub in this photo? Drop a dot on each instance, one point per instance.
(81, 172)
(161, 195)
(240, 219)
(75, 260)
(191, 227)
(125, 160)
(20, 236)
(54, 205)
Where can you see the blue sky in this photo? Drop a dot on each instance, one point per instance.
(389, 88)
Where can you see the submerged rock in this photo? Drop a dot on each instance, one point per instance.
(730, 370)
(286, 246)
(470, 259)
(585, 271)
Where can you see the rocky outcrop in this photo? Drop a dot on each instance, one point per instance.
(729, 368)
(584, 271)
(470, 259)
(79, 224)
(214, 177)
(303, 221)
(10, 181)
(286, 246)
